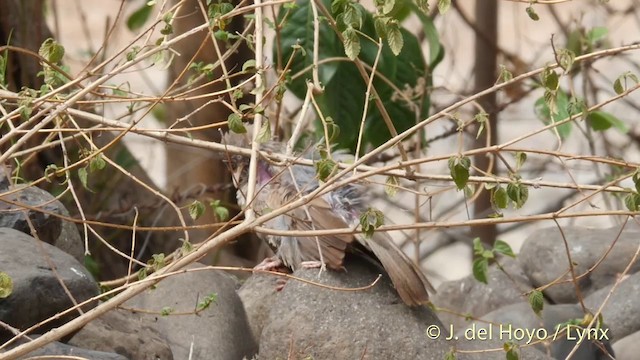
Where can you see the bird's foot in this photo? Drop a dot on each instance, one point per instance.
(269, 264)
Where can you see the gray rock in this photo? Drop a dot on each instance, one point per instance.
(69, 239)
(125, 333)
(628, 347)
(308, 321)
(50, 228)
(543, 258)
(59, 349)
(12, 213)
(469, 296)
(525, 352)
(37, 290)
(622, 310)
(518, 323)
(258, 293)
(221, 331)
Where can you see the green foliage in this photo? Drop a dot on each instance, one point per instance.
(235, 123)
(6, 285)
(166, 311)
(554, 107)
(139, 17)
(620, 85)
(518, 193)
(482, 257)
(370, 220)
(207, 301)
(391, 186)
(196, 209)
(511, 350)
(531, 12)
(536, 300)
(600, 121)
(216, 11)
(325, 168)
(53, 53)
(459, 170)
(344, 88)
(221, 212)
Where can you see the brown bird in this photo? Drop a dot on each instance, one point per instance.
(277, 186)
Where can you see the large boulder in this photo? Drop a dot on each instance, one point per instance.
(44, 278)
(469, 297)
(310, 321)
(125, 333)
(544, 259)
(41, 209)
(220, 331)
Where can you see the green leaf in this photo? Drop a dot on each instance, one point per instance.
(387, 6)
(325, 168)
(536, 300)
(480, 269)
(443, 6)
(505, 75)
(566, 58)
(6, 285)
(550, 79)
(222, 213)
(600, 121)
(351, 43)
(499, 197)
(352, 16)
(51, 51)
(380, 24)
(459, 170)
(166, 311)
(157, 261)
(249, 64)
(344, 95)
(423, 6)
(596, 34)
(518, 193)
(562, 111)
(207, 301)
(264, 134)
(391, 186)
(394, 38)
(97, 163)
(83, 175)
(478, 248)
(632, 202)
(235, 123)
(620, 85)
(512, 353)
(503, 248)
(186, 247)
(532, 13)
(370, 220)
(196, 209)
(139, 17)
(521, 157)
(636, 180)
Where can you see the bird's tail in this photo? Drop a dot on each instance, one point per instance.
(409, 281)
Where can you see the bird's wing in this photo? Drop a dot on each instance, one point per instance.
(321, 217)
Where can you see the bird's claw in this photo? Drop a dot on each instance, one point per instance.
(269, 264)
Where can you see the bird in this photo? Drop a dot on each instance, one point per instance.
(278, 185)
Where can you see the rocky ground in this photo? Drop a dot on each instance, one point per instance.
(303, 321)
